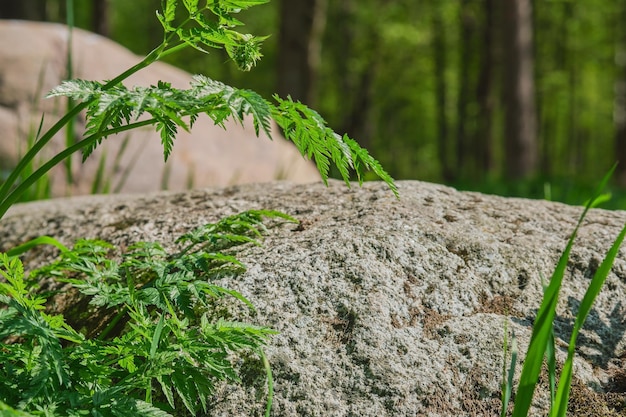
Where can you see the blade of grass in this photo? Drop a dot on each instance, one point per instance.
(69, 129)
(156, 338)
(42, 240)
(542, 327)
(550, 356)
(597, 282)
(99, 184)
(270, 383)
(551, 360)
(507, 385)
(117, 165)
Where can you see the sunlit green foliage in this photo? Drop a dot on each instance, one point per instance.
(162, 338)
(113, 108)
(383, 54)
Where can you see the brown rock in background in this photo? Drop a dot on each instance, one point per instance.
(33, 61)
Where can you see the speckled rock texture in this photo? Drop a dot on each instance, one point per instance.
(33, 61)
(385, 307)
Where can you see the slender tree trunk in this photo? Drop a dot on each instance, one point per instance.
(358, 123)
(483, 141)
(355, 83)
(519, 90)
(100, 17)
(301, 27)
(462, 148)
(620, 97)
(439, 52)
(23, 9)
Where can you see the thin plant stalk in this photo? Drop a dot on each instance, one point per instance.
(14, 195)
(270, 383)
(69, 72)
(507, 378)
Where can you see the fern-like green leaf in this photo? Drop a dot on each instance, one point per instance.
(130, 407)
(167, 129)
(80, 90)
(191, 6)
(170, 107)
(168, 16)
(308, 131)
(7, 411)
(363, 160)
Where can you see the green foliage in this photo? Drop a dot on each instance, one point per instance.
(215, 32)
(214, 29)
(113, 108)
(163, 342)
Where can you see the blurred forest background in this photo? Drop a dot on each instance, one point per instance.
(515, 97)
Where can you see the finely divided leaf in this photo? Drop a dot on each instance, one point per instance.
(168, 107)
(234, 6)
(168, 16)
(191, 6)
(77, 90)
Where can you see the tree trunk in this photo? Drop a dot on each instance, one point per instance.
(23, 9)
(483, 141)
(300, 34)
(100, 17)
(620, 99)
(439, 52)
(358, 122)
(519, 90)
(466, 81)
(355, 82)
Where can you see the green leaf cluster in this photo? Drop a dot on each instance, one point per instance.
(212, 25)
(542, 341)
(116, 109)
(163, 346)
(113, 108)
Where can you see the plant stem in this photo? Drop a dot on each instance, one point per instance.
(270, 383)
(32, 152)
(69, 131)
(15, 194)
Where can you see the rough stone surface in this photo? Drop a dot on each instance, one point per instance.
(32, 62)
(385, 307)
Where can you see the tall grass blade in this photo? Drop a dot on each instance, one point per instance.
(99, 184)
(156, 338)
(42, 240)
(117, 164)
(551, 360)
(542, 327)
(270, 383)
(165, 177)
(550, 357)
(597, 282)
(69, 129)
(507, 386)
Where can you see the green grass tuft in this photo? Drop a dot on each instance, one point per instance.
(542, 339)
